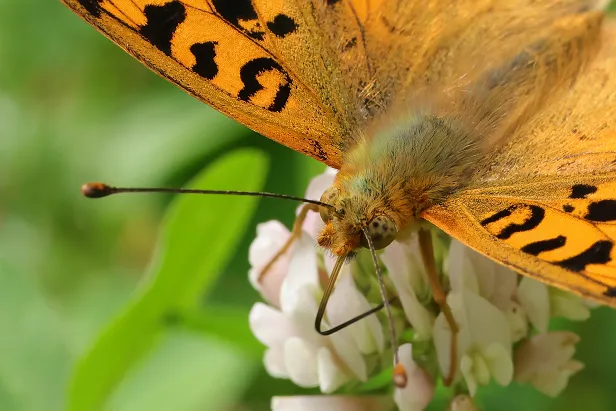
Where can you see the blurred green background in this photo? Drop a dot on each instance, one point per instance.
(76, 108)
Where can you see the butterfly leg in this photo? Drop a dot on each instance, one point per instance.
(297, 232)
(427, 255)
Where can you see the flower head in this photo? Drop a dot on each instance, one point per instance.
(493, 308)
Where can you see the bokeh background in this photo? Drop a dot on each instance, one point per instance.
(81, 322)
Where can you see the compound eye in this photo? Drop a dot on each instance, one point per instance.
(382, 231)
(328, 197)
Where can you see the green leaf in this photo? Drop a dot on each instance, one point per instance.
(185, 372)
(198, 238)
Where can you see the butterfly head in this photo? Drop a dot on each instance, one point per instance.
(350, 219)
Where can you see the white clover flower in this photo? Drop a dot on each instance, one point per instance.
(485, 337)
(493, 307)
(295, 350)
(546, 361)
(331, 403)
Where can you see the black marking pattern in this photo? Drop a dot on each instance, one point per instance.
(242, 15)
(162, 22)
(610, 292)
(497, 216)
(537, 214)
(568, 208)
(92, 6)
(602, 211)
(318, 151)
(249, 75)
(582, 190)
(205, 65)
(282, 25)
(538, 247)
(598, 253)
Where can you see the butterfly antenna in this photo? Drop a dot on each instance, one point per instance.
(399, 374)
(318, 322)
(98, 190)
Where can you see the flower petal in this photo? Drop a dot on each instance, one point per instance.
(405, 270)
(331, 403)
(302, 275)
(535, 299)
(317, 186)
(500, 364)
(271, 236)
(331, 377)
(274, 362)
(462, 403)
(467, 370)
(269, 325)
(347, 302)
(566, 305)
(299, 358)
(419, 389)
(545, 361)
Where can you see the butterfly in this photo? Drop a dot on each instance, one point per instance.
(494, 121)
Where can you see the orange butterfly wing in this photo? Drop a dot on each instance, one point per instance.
(545, 205)
(226, 56)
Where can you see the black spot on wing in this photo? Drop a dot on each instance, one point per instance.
(205, 65)
(598, 253)
(242, 15)
(249, 73)
(497, 216)
(610, 292)
(544, 245)
(92, 6)
(162, 21)
(282, 25)
(331, 2)
(604, 210)
(582, 190)
(536, 217)
(568, 208)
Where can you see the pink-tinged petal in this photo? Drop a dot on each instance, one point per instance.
(545, 360)
(331, 376)
(320, 183)
(347, 302)
(302, 275)
(269, 325)
(300, 361)
(534, 297)
(331, 403)
(274, 362)
(317, 186)
(271, 236)
(462, 403)
(419, 389)
(404, 270)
